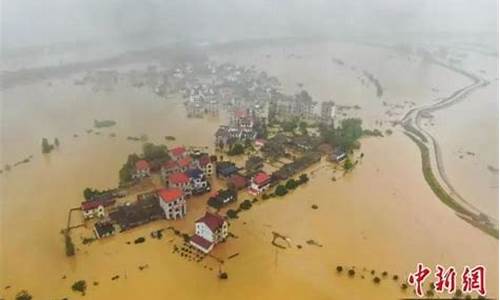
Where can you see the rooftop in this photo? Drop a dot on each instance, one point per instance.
(178, 151)
(91, 204)
(170, 164)
(185, 162)
(203, 243)
(142, 165)
(194, 173)
(261, 178)
(212, 221)
(238, 181)
(204, 160)
(178, 178)
(169, 195)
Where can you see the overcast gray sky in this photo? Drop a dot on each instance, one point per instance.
(39, 22)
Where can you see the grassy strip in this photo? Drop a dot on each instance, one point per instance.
(411, 129)
(443, 195)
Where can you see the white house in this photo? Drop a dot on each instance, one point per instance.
(173, 203)
(91, 212)
(181, 181)
(206, 165)
(259, 183)
(95, 207)
(210, 230)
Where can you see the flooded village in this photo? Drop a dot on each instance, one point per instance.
(271, 139)
(227, 174)
(249, 150)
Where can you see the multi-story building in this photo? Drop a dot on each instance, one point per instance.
(173, 203)
(209, 230)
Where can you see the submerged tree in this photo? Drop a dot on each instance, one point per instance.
(127, 169)
(152, 151)
(281, 190)
(79, 286)
(46, 147)
(291, 184)
(70, 247)
(236, 149)
(348, 165)
(23, 295)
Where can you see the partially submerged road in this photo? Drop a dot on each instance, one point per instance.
(433, 168)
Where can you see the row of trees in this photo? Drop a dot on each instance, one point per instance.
(291, 184)
(245, 205)
(90, 193)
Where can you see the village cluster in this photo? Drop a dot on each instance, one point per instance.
(188, 173)
(257, 127)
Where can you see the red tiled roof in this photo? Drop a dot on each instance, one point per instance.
(185, 162)
(170, 164)
(169, 195)
(91, 204)
(203, 243)
(204, 160)
(240, 113)
(178, 151)
(261, 178)
(213, 221)
(238, 181)
(142, 165)
(178, 178)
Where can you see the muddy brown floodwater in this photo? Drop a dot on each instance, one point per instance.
(382, 216)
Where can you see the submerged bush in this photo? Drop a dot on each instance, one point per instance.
(23, 295)
(79, 286)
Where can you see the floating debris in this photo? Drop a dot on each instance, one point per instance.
(277, 236)
(139, 240)
(314, 243)
(233, 255)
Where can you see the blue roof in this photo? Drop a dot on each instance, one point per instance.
(228, 170)
(194, 173)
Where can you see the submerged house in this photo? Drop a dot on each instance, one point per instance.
(142, 169)
(242, 128)
(209, 230)
(199, 183)
(146, 209)
(185, 163)
(259, 183)
(338, 155)
(178, 153)
(205, 164)
(180, 181)
(173, 203)
(95, 207)
(169, 167)
(237, 182)
(225, 169)
(104, 229)
(222, 198)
